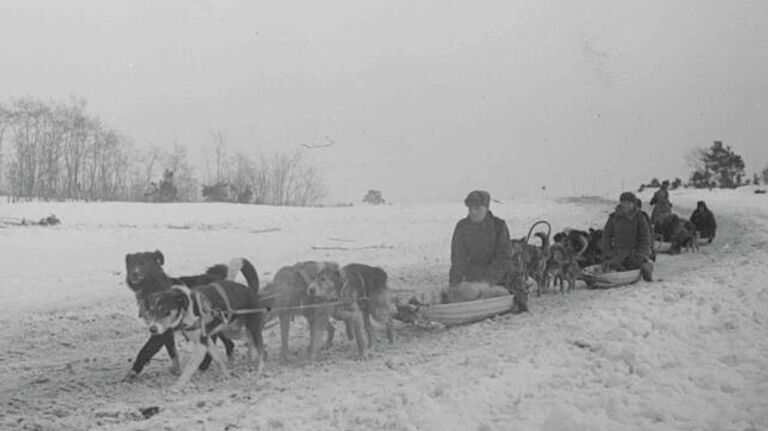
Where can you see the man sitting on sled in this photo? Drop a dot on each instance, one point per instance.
(481, 262)
(626, 238)
(481, 253)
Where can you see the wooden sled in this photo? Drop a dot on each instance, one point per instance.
(597, 278)
(457, 313)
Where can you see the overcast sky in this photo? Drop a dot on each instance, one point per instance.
(424, 99)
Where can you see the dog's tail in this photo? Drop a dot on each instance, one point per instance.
(533, 226)
(584, 246)
(241, 264)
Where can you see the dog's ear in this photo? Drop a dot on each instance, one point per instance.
(181, 300)
(158, 255)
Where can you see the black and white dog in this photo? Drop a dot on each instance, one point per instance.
(206, 311)
(145, 276)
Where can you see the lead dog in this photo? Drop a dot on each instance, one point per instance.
(564, 256)
(364, 290)
(287, 295)
(208, 310)
(680, 232)
(533, 258)
(145, 276)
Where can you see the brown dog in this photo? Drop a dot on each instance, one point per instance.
(563, 263)
(534, 259)
(563, 267)
(209, 310)
(145, 276)
(365, 289)
(289, 290)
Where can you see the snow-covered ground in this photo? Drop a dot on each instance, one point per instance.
(689, 352)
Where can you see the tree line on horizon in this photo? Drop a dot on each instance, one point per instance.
(718, 166)
(58, 151)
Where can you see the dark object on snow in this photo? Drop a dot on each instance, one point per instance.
(148, 412)
(678, 231)
(704, 221)
(760, 191)
(51, 220)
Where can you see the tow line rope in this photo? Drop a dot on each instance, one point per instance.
(292, 308)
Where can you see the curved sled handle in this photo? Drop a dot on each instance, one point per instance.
(533, 226)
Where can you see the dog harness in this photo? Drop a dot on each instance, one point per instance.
(199, 311)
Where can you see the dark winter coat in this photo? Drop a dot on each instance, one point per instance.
(704, 221)
(625, 234)
(480, 251)
(661, 205)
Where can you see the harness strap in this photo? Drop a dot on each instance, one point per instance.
(199, 321)
(363, 284)
(220, 290)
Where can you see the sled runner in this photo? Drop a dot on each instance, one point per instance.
(662, 247)
(597, 277)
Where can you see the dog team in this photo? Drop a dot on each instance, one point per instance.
(485, 262)
(212, 306)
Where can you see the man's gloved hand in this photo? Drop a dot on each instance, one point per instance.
(615, 260)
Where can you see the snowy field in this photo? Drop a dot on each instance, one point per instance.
(689, 352)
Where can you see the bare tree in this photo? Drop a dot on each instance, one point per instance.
(58, 151)
(4, 120)
(218, 146)
(309, 188)
(175, 161)
(74, 143)
(243, 180)
(289, 182)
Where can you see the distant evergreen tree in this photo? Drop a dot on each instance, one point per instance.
(374, 197)
(720, 167)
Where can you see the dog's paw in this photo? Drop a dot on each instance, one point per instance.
(130, 376)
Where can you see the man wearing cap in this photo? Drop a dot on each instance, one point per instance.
(661, 204)
(626, 238)
(480, 248)
(651, 233)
